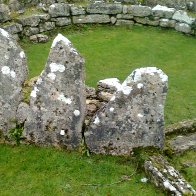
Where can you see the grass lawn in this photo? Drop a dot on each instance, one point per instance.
(116, 52)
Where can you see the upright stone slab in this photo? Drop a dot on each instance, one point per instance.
(13, 72)
(57, 101)
(133, 117)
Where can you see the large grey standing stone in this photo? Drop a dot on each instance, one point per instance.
(13, 72)
(57, 101)
(133, 117)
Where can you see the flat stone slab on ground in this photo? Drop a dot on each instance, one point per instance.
(182, 143)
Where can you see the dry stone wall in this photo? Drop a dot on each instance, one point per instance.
(62, 14)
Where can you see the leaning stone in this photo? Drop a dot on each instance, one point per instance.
(95, 18)
(163, 175)
(163, 11)
(133, 117)
(124, 22)
(77, 10)
(4, 13)
(183, 17)
(183, 143)
(102, 8)
(57, 101)
(13, 28)
(183, 27)
(59, 9)
(184, 127)
(47, 26)
(138, 10)
(13, 73)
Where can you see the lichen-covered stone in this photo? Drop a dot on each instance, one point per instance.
(167, 23)
(57, 101)
(4, 13)
(79, 10)
(39, 38)
(102, 8)
(182, 17)
(59, 9)
(163, 11)
(163, 175)
(122, 22)
(138, 10)
(95, 18)
(62, 21)
(32, 20)
(133, 117)
(183, 27)
(13, 28)
(47, 26)
(13, 72)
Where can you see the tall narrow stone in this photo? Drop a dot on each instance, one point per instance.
(13, 72)
(133, 117)
(57, 103)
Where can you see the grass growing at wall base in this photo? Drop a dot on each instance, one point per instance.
(116, 51)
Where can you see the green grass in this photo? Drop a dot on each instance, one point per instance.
(116, 52)
(29, 170)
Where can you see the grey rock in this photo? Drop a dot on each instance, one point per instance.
(57, 101)
(182, 143)
(90, 92)
(79, 10)
(22, 112)
(95, 18)
(39, 38)
(4, 13)
(133, 117)
(28, 31)
(59, 9)
(183, 17)
(63, 21)
(182, 127)
(124, 22)
(13, 28)
(13, 72)
(163, 175)
(163, 11)
(183, 27)
(137, 10)
(32, 20)
(15, 5)
(141, 20)
(46, 26)
(153, 22)
(102, 8)
(167, 23)
(113, 20)
(125, 16)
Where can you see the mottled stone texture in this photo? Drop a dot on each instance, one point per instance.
(163, 175)
(13, 72)
(133, 117)
(57, 101)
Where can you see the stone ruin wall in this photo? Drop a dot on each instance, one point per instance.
(62, 15)
(62, 111)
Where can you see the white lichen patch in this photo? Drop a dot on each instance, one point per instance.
(5, 70)
(140, 115)
(4, 33)
(168, 186)
(111, 109)
(59, 38)
(140, 85)
(126, 90)
(62, 132)
(97, 120)
(111, 82)
(62, 98)
(76, 112)
(13, 74)
(54, 67)
(22, 54)
(52, 76)
(34, 92)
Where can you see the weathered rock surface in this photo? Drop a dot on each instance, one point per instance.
(77, 10)
(59, 9)
(63, 21)
(183, 127)
(39, 38)
(95, 18)
(4, 13)
(13, 72)
(102, 8)
(133, 117)
(163, 11)
(138, 10)
(163, 175)
(57, 101)
(167, 23)
(182, 143)
(13, 28)
(183, 17)
(121, 22)
(183, 27)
